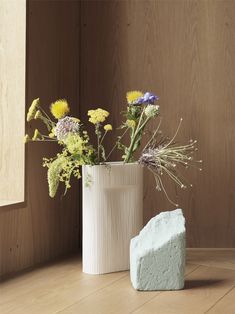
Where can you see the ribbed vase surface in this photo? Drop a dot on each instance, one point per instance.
(112, 215)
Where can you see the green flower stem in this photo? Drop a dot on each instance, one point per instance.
(46, 116)
(101, 141)
(116, 143)
(153, 136)
(144, 124)
(130, 149)
(137, 131)
(54, 140)
(98, 148)
(98, 141)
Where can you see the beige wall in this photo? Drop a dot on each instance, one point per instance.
(12, 99)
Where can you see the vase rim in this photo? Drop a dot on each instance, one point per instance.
(115, 163)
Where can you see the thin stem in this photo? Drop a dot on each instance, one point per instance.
(175, 133)
(47, 116)
(173, 177)
(160, 186)
(154, 134)
(166, 193)
(103, 137)
(116, 143)
(49, 137)
(130, 149)
(97, 131)
(98, 148)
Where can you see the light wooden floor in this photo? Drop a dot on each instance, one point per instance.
(62, 288)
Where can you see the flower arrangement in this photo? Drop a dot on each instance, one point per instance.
(162, 156)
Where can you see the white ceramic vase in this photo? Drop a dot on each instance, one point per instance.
(112, 215)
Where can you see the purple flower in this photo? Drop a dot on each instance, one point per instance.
(148, 98)
(65, 126)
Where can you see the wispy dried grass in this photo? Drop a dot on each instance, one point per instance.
(162, 156)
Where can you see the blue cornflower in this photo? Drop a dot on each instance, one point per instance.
(148, 98)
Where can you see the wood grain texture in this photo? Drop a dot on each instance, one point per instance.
(118, 298)
(61, 287)
(203, 288)
(112, 216)
(225, 304)
(12, 100)
(224, 258)
(44, 228)
(184, 51)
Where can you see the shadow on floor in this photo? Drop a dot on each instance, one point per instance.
(200, 283)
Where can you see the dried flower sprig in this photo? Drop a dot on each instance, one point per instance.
(164, 157)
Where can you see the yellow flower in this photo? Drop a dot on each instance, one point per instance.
(32, 109)
(52, 134)
(36, 135)
(76, 120)
(26, 138)
(130, 123)
(38, 115)
(108, 127)
(59, 108)
(98, 115)
(133, 96)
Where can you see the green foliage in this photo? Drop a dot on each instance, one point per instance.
(77, 150)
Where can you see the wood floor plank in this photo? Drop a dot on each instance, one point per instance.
(225, 305)
(62, 288)
(40, 277)
(52, 291)
(203, 288)
(222, 258)
(117, 298)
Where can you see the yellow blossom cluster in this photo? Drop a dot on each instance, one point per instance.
(108, 127)
(98, 115)
(26, 138)
(52, 133)
(133, 96)
(36, 135)
(33, 109)
(38, 115)
(60, 108)
(131, 123)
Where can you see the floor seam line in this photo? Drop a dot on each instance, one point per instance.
(220, 299)
(161, 292)
(90, 294)
(146, 302)
(212, 266)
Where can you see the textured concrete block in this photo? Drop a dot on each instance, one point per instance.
(157, 254)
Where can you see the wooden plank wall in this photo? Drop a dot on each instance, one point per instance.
(42, 229)
(181, 49)
(12, 100)
(184, 50)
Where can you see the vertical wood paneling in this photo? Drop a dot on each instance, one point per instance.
(45, 228)
(12, 99)
(184, 51)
